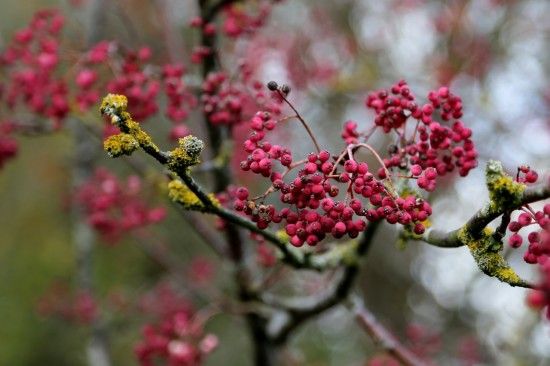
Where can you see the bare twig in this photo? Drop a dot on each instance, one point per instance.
(302, 120)
(301, 310)
(382, 336)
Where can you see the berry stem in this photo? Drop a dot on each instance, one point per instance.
(271, 189)
(301, 120)
(377, 156)
(338, 160)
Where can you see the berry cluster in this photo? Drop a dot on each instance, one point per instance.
(313, 209)
(263, 153)
(349, 133)
(538, 247)
(201, 271)
(140, 88)
(136, 78)
(540, 296)
(113, 207)
(61, 302)
(179, 338)
(238, 21)
(222, 102)
(87, 77)
(265, 255)
(228, 103)
(433, 149)
(538, 250)
(175, 340)
(180, 99)
(30, 62)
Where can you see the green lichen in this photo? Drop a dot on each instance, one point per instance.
(180, 193)
(486, 253)
(504, 192)
(186, 154)
(121, 144)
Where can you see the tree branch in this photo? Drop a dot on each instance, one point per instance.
(382, 336)
(97, 344)
(301, 310)
(209, 13)
(482, 218)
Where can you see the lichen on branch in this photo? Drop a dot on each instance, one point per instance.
(120, 144)
(186, 154)
(504, 192)
(180, 193)
(115, 106)
(486, 252)
(184, 190)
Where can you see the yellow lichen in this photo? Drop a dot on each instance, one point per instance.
(113, 104)
(186, 154)
(214, 200)
(179, 192)
(504, 192)
(121, 144)
(282, 235)
(141, 136)
(508, 275)
(489, 260)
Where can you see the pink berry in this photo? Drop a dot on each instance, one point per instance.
(515, 240)
(416, 170)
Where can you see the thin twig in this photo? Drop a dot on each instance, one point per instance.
(301, 310)
(382, 336)
(310, 133)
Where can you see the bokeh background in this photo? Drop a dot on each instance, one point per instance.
(494, 54)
